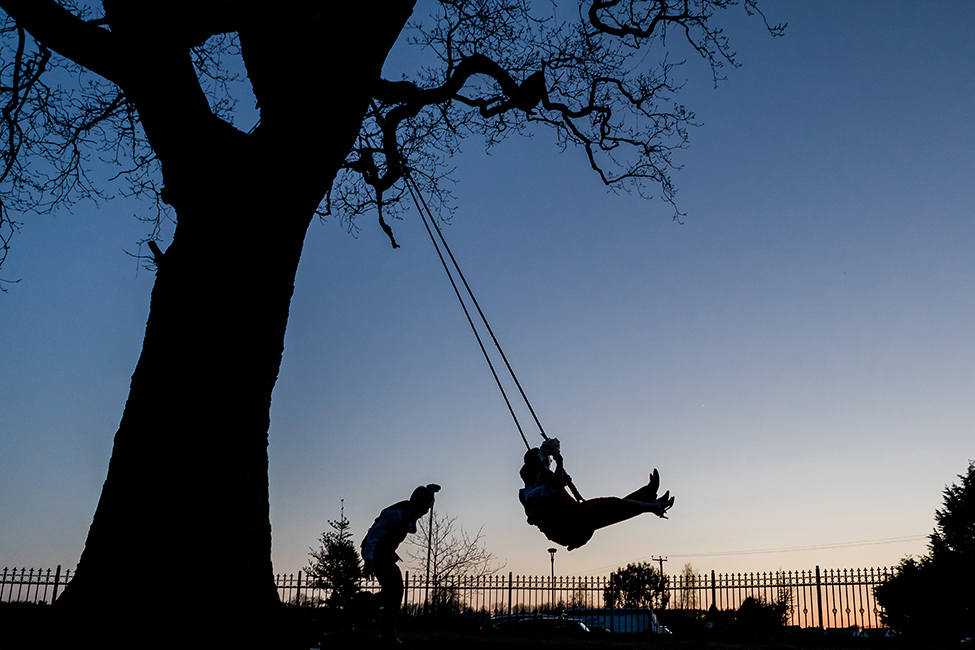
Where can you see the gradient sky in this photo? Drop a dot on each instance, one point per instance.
(796, 358)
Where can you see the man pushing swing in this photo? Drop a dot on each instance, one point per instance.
(379, 552)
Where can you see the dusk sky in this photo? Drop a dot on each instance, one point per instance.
(796, 358)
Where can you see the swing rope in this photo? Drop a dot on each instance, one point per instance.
(428, 220)
(430, 223)
(418, 200)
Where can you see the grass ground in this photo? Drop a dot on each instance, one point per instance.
(25, 626)
(438, 639)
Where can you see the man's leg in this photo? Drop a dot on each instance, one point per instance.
(391, 596)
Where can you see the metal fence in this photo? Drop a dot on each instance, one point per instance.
(834, 598)
(32, 585)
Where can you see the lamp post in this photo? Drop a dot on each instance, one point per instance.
(426, 597)
(551, 553)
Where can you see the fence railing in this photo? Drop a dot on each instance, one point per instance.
(834, 598)
(32, 585)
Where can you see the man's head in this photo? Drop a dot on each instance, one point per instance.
(422, 499)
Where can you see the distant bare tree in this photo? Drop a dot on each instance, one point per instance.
(688, 587)
(453, 554)
(452, 550)
(784, 591)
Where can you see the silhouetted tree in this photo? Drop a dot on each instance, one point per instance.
(638, 585)
(930, 596)
(149, 89)
(688, 589)
(335, 565)
(452, 554)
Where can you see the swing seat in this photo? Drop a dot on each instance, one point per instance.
(564, 531)
(560, 517)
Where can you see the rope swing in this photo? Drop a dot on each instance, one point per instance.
(440, 244)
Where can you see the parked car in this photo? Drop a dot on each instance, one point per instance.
(541, 624)
(620, 620)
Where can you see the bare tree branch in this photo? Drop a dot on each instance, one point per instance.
(453, 551)
(502, 67)
(86, 43)
(499, 67)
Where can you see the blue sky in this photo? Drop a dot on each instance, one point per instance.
(796, 358)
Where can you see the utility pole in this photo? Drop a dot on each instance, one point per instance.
(661, 561)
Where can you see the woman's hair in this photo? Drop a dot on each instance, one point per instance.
(533, 463)
(533, 457)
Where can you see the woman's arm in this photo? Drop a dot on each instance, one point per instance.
(561, 478)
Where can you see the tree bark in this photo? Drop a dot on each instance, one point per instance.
(185, 507)
(184, 511)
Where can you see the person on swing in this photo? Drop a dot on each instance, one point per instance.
(572, 523)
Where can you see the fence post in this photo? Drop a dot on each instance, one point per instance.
(57, 581)
(819, 597)
(509, 592)
(406, 589)
(714, 591)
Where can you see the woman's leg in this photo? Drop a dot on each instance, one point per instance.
(606, 511)
(572, 524)
(649, 491)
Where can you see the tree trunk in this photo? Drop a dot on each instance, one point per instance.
(182, 528)
(178, 553)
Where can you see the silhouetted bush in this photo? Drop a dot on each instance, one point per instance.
(682, 621)
(931, 597)
(756, 615)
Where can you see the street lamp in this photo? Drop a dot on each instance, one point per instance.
(551, 553)
(426, 597)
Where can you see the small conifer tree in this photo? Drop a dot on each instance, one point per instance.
(336, 566)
